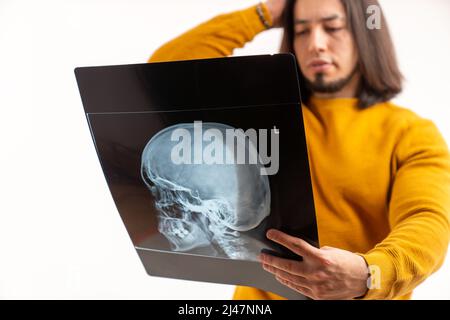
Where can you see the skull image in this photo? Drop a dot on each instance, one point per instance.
(198, 204)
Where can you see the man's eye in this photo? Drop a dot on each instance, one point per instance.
(333, 30)
(301, 32)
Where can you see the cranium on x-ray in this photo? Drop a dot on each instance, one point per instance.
(203, 205)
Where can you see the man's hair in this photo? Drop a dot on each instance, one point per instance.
(381, 79)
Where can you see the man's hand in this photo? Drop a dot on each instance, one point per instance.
(276, 8)
(325, 273)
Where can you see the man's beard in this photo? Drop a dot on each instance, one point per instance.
(319, 84)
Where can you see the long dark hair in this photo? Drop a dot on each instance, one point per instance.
(381, 79)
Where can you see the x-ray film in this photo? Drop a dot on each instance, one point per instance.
(202, 157)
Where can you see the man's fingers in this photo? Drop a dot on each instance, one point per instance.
(290, 266)
(294, 244)
(299, 280)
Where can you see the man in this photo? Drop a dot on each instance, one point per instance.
(380, 173)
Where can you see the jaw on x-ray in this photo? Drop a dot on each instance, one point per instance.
(201, 205)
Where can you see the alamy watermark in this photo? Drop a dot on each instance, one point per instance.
(374, 280)
(374, 20)
(230, 146)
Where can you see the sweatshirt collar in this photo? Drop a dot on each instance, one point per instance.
(322, 103)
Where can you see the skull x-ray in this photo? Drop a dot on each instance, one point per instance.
(204, 220)
(201, 204)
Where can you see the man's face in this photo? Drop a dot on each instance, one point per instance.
(323, 44)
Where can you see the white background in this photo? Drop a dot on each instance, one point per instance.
(60, 233)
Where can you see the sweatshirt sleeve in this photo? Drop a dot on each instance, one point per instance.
(214, 38)
(419, 209)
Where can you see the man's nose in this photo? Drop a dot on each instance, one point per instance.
(318, 40)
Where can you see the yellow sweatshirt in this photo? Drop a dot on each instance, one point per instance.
(380, 176)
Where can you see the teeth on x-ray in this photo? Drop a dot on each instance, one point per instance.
(182, 234)
(204, 204)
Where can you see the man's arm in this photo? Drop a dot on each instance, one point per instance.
(419, 211)
(415, 248)
(215, 38)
